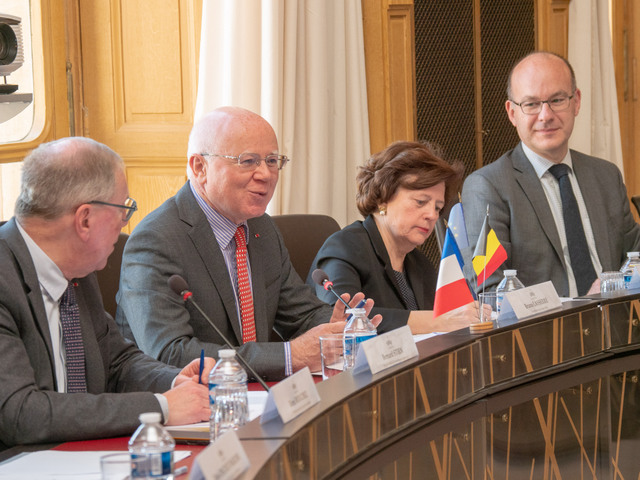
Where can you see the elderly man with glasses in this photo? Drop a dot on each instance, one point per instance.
(561, 215)
(214, 232)
(67, 373)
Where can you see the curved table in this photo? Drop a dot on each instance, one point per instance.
(554, 396)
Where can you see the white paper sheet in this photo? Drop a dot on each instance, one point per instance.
(58, 465)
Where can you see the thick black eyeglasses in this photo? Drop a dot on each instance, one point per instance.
(252, 160)
(130, 205)
(557, 104)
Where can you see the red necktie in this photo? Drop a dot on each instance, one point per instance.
(244, 288)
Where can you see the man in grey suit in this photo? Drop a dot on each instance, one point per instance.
(73, 376)
(233, 167)
(525, 197)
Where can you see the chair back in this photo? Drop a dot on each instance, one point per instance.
(303, 236)
(636, 202)
(109, 276)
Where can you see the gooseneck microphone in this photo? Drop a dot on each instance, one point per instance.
(180, 287)
(321, 278)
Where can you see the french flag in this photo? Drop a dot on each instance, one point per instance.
(452, 290)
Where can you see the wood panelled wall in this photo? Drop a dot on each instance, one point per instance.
(132, 72)
(139, 77)
(626, 48)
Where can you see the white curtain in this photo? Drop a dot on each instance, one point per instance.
(597, 127)
(299, 64)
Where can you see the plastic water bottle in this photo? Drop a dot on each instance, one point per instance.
(633, 261)
(227, 395)
(508, 284)
(151, 448)
(358, 329)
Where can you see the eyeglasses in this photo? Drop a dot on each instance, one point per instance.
(129, 204)
(557, 104)
(252, 160)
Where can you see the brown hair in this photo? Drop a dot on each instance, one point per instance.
(412, 165)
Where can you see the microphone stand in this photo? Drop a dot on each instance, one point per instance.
(188, 295)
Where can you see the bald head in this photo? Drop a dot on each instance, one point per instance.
(60, 175)
(535, 59)
(222, 126)
(216, 142)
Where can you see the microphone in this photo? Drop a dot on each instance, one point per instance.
(180, 287)
(321, 278)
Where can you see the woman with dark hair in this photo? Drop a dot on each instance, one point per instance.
(401, 192)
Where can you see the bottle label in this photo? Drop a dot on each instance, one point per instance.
(349, 340)
(212, 393)
(151, 465)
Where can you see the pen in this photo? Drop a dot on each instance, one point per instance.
(181, 470)
(201, 366)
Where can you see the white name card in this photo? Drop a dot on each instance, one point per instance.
(385, 350)
(531, 300)
(290, 397)
(224, 459)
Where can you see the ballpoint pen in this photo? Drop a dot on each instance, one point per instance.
(201, 366)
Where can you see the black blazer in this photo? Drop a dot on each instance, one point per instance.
(356, 260)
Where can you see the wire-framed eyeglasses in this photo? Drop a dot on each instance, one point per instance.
(130, 205)
(557, 104)
(250, 161)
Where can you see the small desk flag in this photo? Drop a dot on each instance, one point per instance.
(489, 253)
(457, 226)
(452, 290)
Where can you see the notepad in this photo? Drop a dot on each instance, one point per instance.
(58, 465)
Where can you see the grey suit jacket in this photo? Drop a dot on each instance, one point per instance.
(356, 260)
(177, 239)
(520, 215)
(31, 410)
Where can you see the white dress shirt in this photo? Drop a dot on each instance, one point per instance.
(552, 192)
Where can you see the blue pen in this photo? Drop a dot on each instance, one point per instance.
(201, 366)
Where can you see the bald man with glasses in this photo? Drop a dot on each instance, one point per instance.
(214, 232)
(561, 215)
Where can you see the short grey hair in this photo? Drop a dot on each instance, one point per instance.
(59, 176)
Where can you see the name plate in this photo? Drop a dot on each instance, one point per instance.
(386, 350)
(224, 459)
(530, 301)
(290, 397)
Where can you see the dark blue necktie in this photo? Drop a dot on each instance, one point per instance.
(581, 264)
(72, 339)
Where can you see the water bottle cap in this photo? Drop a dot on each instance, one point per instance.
(150, 417)
(357, 311)
(633, 254)
(511, 272)
(226, 353)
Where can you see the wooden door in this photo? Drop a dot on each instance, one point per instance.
(139, 75)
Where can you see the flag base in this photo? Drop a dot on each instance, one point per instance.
(480, 327)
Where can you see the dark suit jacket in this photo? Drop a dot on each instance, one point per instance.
(31, 410)
(177, 239)
(520, 215)
(356, 260)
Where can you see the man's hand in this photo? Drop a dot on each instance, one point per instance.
(191, 371)
(305, 349)
(595, 287)
(188, 403)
